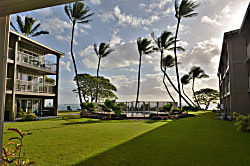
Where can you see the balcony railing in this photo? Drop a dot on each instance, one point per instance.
(35, 61)
(29, 86)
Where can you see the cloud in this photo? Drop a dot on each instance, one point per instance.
(95, 2)
(184, 29)
(133, 21)
(106, 16)
(203, 54)
(65, 66)
(159, 4)
(45, 12)
(55, 25)
(210, 21)
(115, 39)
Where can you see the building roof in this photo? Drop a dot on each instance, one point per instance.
(8, 7)
(238, 31)
(245, 18)
(48, 49)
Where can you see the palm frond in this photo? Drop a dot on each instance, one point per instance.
(20, 23)
(40, 33)
(96, 50)
(68, 11)
(11, 24)
(35, 28)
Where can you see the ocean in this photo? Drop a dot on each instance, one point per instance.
(63, 107)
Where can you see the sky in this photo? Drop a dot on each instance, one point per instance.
(120, 23)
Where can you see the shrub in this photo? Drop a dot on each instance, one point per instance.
(166, 108)
(27, 116)
(177, 110)
(12, 152)
(117, 109)
(89, 107)
(243, 122)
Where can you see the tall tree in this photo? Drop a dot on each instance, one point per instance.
(183, 10)
(77, 13)
(165, 42)
(185, 79)
(197, 73)
(102, 52)
(88, 84)
(28, 27)
(206, 96)
(143, 48)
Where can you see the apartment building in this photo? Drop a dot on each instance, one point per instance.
(28, 65)
(234, 69)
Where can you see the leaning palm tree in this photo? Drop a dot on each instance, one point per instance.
(197, 73)
(77, 13)
(167, 62)
(166, 42)
(143, 48)
(28, 27)
(185, 79)
(183, 10)
(102, 52)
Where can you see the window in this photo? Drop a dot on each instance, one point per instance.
(48, 103)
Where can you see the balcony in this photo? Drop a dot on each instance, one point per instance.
(29, 86)
(36, 61)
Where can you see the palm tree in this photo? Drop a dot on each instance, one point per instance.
(77, 13)
(197, 73)
(183, 10)
(167, 62)
(102, 52)
(143, 48)
(184, 81)
(26, 27)
(164, 42)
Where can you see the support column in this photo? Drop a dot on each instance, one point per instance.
(13, 110)
(4, 44)
(57, 86)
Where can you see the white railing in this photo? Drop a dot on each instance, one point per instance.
(35, 61)
(34, 87)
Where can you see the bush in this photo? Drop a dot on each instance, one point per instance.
(166, 108)
(243, 122)
(177, 110)
(89, 107)
(27, 116)
(117, 109)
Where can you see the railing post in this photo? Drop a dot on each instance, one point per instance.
(127, 109)
(157, 107)
(144, 108)
(149, 108)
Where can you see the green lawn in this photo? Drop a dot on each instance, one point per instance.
(201, 140)
(61, 113)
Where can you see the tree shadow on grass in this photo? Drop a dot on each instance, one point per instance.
(186, 142)
(83, 122)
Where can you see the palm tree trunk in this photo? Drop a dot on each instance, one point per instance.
(176, 62)
(74, 63)
(169, 80)
(186, 95)
(195, 95)
(138, 86)
(97, 76)
(167, 88)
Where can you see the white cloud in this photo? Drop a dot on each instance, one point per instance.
(159, 4)
(106, 16)
(115, 39)
(65, 66)
(133, 21)
(55, 25)
(45, 12)
(210, 21)
(95, 2)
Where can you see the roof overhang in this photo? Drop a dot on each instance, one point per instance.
(49, 50)
(8, 7)
(245, 18)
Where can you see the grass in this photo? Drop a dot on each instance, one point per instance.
(201, 140)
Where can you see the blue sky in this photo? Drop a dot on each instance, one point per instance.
(121, 22)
